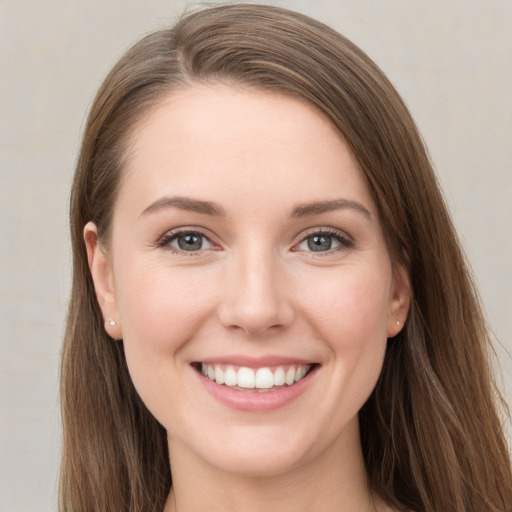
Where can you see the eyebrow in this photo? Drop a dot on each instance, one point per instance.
(318, 207)
(210, 208)
(184, 203)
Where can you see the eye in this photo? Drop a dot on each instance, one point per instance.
(185, 241)
(324, 241)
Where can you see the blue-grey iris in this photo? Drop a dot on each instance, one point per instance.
(319, 243)
(190, 242)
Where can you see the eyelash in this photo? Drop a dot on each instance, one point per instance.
(170, 236)
(344, 241)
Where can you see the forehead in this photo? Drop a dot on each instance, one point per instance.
(229, 143)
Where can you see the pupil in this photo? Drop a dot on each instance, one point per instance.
(190, 242)
(319, 243)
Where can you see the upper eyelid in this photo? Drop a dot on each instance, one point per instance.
(185, 229)
(323, 231)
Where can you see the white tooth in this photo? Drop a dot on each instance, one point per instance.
(301, 372)
(279, 378)
(264, 378)
(219, 376)
(246, 377)
(230, 378)
(211, 373)
(204, 369)
(290, 376)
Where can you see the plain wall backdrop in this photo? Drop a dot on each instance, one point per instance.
(450, 60)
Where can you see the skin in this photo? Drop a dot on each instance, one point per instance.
(254, 288)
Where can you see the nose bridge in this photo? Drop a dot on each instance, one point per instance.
(255, 298)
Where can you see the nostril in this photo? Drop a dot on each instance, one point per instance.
(255, 305)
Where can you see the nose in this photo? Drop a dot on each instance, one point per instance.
(254, 297)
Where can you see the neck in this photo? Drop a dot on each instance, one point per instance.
(333, 481)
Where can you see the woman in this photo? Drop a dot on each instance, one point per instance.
(269, 299)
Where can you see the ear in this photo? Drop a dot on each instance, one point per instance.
(400, 301)
(102, 276)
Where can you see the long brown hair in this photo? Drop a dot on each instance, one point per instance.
(431, 433)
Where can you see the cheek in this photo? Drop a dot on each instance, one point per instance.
(351, 308)
(160, 313)
(159, 308)
(352, 315)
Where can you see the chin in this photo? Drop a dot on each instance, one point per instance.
(262, 451)
(250, 463)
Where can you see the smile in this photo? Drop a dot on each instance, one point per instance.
(256, 385)
(257, 379)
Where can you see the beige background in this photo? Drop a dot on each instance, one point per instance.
(450, 59)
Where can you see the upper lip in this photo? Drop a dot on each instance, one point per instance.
(255, 362)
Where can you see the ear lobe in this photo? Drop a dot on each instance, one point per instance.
(101, 272)
(400, 301)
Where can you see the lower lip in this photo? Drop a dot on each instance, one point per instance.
(253, 401)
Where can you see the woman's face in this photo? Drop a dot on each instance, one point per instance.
(246, 245)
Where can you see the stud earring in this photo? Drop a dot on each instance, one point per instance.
(112, 323)
(398, 322)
